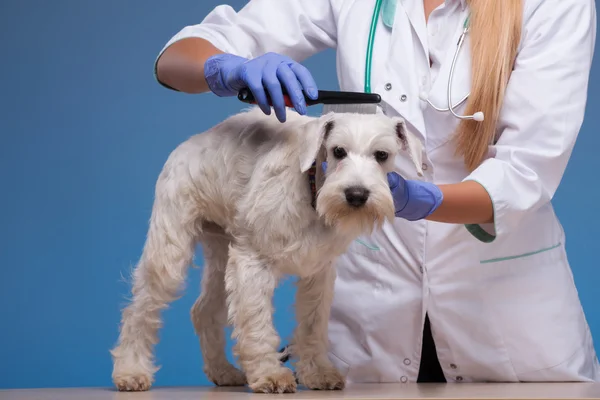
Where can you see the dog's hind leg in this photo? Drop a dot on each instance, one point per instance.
(313, 304)
(209, 313)
(250, 285)
(157, 278)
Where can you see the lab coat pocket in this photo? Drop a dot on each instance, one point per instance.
(367, 258)
(360, 266)
(365, 249)
(533, 301)
(365, 246)
(353, 311)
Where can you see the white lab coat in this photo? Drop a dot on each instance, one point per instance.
(501, 298)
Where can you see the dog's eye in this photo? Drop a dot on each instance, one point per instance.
(339, 152)
(381, 156)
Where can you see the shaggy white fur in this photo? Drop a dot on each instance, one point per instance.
(241, 189)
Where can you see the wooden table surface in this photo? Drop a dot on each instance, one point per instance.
(357, 391)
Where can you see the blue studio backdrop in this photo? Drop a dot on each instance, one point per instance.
(85, 130)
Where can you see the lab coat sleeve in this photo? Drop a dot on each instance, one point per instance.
(296, 28)
(542, 113)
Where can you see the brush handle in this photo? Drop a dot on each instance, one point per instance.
(324, 97)
(343, 97)
(246, 96)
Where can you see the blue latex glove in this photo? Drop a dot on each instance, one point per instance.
(227, 74)
(414, 200)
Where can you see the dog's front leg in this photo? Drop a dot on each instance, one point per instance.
(250, 284)
(313, 304)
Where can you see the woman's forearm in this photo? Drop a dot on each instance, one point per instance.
(464, 203)
(181, 66)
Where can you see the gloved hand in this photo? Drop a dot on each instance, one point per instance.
(227, 74)
(414, 200)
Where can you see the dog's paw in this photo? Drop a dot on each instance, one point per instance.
(133, 383)
(324, 378)
(132, 371)
(281, 382)
(226, 375)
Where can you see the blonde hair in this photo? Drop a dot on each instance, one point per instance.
(495, 33)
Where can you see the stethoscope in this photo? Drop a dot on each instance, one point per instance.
(478, 116)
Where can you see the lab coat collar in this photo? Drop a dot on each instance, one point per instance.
(463, 3)
(414, 8)
(450, 3)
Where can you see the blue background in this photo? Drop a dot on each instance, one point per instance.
(84, 131)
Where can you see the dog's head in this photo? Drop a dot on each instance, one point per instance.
(360, 150)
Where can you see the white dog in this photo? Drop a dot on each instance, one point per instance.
(243, 190)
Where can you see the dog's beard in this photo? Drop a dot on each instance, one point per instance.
(336, 212)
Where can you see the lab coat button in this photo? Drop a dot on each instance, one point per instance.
(459, 378)
(404, 379)
(424, 166)
(388, 86)
(406, 361)
(403, 98)
(453, 366)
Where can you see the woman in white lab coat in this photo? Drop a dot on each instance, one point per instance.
(472, 282)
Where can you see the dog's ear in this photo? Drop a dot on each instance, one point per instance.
(410, 143)
(312, 138)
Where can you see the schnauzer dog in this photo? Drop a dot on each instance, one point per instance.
(253, 193)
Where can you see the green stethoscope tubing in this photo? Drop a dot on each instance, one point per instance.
(371, 41)
(369, 58)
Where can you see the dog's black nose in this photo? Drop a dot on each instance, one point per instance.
(356, 196)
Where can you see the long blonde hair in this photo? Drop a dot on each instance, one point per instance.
(495, 33)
